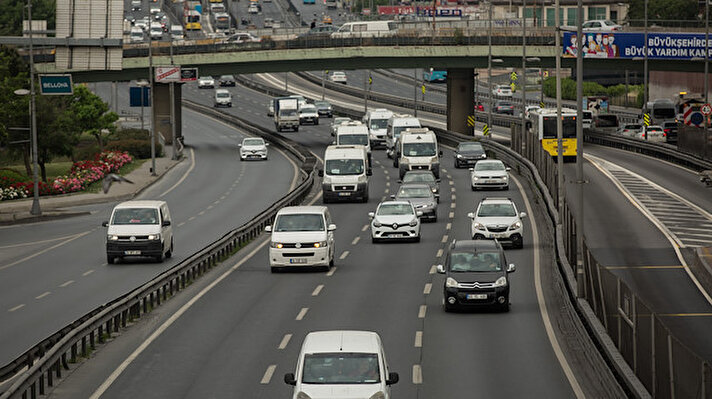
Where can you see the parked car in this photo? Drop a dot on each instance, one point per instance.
(422, 198)
(323, 108)
(395, 220)
(338, 77)
(488, 174)
(497, 219)
(226, 80)
(601, 25)
(502, 90)
(308, 114)
(630, 129)
(253, 148)
(504, 107)
(670, 129)
(206, 82)
(468, 153)
(476, 275)
(425, 177)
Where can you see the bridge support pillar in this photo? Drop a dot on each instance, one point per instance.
(460, 98)
(162, 111)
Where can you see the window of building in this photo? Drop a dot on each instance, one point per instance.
(571, 14)
(597, 13)
(551, 16)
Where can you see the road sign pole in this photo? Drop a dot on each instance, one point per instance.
(415, 92)
(35, 210)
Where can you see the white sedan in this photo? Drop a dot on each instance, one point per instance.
(308, 114)
(601, 25)
(253, 148)
(488, 174)
(654, 134)
(338, 77)
(206, 82)
(395, 220)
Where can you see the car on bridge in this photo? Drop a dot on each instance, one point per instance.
(253, 148)
(395, 220)
(422, 198)
(670, 128)
(489, 174)
(476, 276)
(468, 153)
(600, 25)
(241, 37)
(654, 134)
(502, 91)
(253, 9)
(226, 80)
(322, 31)
(630, 129)
(206, 82)
(497, 219)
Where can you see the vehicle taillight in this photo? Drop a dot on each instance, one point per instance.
(664, 134)
(667, 130)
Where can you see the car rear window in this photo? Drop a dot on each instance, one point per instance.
(607, 121)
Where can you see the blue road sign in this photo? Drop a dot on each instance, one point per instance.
(56, 85)
(135, 96)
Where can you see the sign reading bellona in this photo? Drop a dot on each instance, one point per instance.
(56, 85)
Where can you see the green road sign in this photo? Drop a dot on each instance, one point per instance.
(56, 85)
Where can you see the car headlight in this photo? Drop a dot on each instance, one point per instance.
(153, 237)
(435, 190)
(112, 237)
(277, 245)
(516, 225)
(376, 223)
(302, 395)
(483, 156)
(378, 395)
(478, 226)
(362, 179)
(451, 283)
(413, 222)
(475, 178)
(320, 244)
(459, 156)
(501, 282)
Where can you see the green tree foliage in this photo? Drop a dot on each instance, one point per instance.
(12, 14)
(92, 115)
(13, 76)
(663, 12)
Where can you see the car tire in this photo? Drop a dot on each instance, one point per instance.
(275, 269)
(316, 122)
(448, 308)
(506, 188)
(374, 240)
(505, 307)
(169, 253)
(110, 259)
(456, 164)
(518, 244)
(416, 239)
(473, 188)
(296, 129)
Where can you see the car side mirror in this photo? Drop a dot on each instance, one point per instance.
(472, 169)
(268, 228)
(369, 172)
(166, 223)
(266, 144)
(523, 215)
(372, 215)
(320, 173)
(511, 268)
(239, 145)
(440, 153)
(331, 227)
(392, 378)
(508, 169)
(393, 196)
(418, 213)
(289, 379)
(471, 215)
(440, 269)
(105, 223)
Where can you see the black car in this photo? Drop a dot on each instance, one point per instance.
(468, 153)
(226, 80)
(323, 108)
(670, 129)
(477, 275)
(504, 107)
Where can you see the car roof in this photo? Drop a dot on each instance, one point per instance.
(291, 210)
(416, 185)
(496, 200)
(347, 341)
(419, 172)
(395, 202)
(490, 161)
(140, 204)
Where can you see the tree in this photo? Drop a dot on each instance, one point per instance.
(663, 12)
(91, 115)
(15, 109)
(12, 15)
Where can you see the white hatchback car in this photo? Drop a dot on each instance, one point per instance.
(206, 82)
(253, 148)
(653, 134)
(497, 218)
(488, 174)
(395, 220)
(502, 91)
(338, 77)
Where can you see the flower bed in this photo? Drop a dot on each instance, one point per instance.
(80, 176)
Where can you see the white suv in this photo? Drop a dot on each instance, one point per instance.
(498, 218)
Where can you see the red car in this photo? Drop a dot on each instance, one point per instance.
(479, 107)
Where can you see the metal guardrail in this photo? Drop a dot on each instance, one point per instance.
(46, 360)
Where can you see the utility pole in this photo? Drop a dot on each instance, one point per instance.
(489, 68)
(415, 92)
(33, 119)
(153, 125)
(524, 73)
(645, 69)
(559, 124)
(579, 151)
(323, 89)
(365, 91)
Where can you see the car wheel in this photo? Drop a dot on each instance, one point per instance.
(448, 308)
(518, 243)
(296, 129)
(169, 253)
(416, 239)
(159, 258)
(506, 188)
(275, 269)
(456, 164)
(473, 188)
(110, 259)
(504, 307)
(374, 240)
(316, 122)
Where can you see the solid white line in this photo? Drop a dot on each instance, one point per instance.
(42, 295)
(417, 374)
(268, 374)
(364, 228)
(66, 283)
(302, 313)
(88, 272)
(428, 287)
(331, 272)
(192, 166)
(344, 255)
(421, 311)
(444, 240)
(317, 290)
(355, 240)
(24, 244)
(22, 305)
(74, 237)
(542, 300)
(418, 339)
(439, 253)
(285, 341)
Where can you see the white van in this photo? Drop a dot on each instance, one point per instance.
(396, 124)
(156, 31)
(377, 121)
(301, 236)
(354, 133)
(223, 98)
(418, 150)
(340, 365)
(366, 29)
(345, 174)
(139, 228)
(136, 35)
(177, 32)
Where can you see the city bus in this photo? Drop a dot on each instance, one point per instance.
(544, 128)
(191, 20)
(435, 75)
(221, 21)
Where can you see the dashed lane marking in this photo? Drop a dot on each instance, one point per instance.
(452, 189)
(181, 224)
(428, 287)
(439, 253)
(445, 237)
(331, 272)
(453, 197)
(452, 205)
(448, 226)
(386, 191)
(344, 255)
(201, 213)
(433, 269)
(355, 240)
(191, 218)
(421, 311)
(210, 207)
(42, 295)
(452, 183)
(268, 374)
(88, 272)
(388, 184)
(364, 228)
(302, 313)
(417, 374)
(418, 339)
(20, 306)
(66, 283)
(451, 215)
(285, 341)
(317, 290)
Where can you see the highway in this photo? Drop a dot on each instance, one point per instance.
(209, 193)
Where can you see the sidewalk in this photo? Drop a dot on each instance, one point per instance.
(53, 207)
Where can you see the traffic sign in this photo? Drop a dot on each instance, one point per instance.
(168, 74)
(485, 130)
(646, 119)
(471, 120)
(513, 76)
(136, 97)
(542, 105)
(188, 74)
(56, 85)
(422, 88)
(370, 80)
(706, 109)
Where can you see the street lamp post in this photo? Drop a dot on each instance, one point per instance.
(489, 66)
(645, 66)
(579, 150)
(524, 72)
(559, 122)
(153, 127)
(415, 92)
(35, 210)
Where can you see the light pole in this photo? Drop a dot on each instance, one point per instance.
(153, 125)
(524, 72)
(489, 67)
(415, 92)
(579, 150)
(707, 39)
(559, 122)
(323, 89)
(35, 210)
(645, 66)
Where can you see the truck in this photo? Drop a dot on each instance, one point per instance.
(286, 113)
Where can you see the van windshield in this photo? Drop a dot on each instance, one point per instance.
(299, 222)
(135, 216)
(379, 123)
(358, 139)
(419, 149)
(398, 129)
(343, 167)
(341, 368)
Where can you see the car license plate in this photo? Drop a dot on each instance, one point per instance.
(134, 252)
(298, 260)
(476, 296)
(344, 194)
(497, 235)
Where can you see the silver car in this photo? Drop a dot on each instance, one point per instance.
(424, 177)
(253, 148)
(395, 220)
(206, 82)
(497, 218)
(488, 174)
(337, 122)
(422, 198)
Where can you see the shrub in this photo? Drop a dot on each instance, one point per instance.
(132, 134)
(87, 152)
(8, 177)
(140, 149)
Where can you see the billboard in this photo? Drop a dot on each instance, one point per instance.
(661, 46)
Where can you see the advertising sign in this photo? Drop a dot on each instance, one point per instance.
(56, 85)
(425, 11)
(188, 74)
(670, 46)
(168, 74)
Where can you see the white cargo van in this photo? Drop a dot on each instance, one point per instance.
(136, 35)
(177, 32)
(366, 29)
(301, 236)
(345, 174)
(223, 98)
(377, 121)
(139, 228)
(396, 124)
(418, 150)
(340, 365)
(354, 133)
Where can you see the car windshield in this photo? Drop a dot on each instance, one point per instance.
(299, 222)
(339, 121)
(341, 368)
(418, 177)
(343, 167)
(379, 123)
(414, 192)
(287, 112)
(489, 210)
(486, 166)
(470, 147)
(358, 139)
(503, 104)
(223, 95)
(309, 109)
(226, 77)
(633, 127)
(394, 209)
(135, 216)
(419, 149)
(463, 262)
(253, 142)
(322, 104)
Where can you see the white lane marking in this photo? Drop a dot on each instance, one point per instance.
(445, 237)
(448, 226)
(452, 205)
(201, 213)
(216, 202)
(421, 311)
(453, 197)
(439, 253)
(542, 300)
(331, 272)
(451, 215)
(59, 244)
(191, 218)
(386, 191)
(20, 306)
(344, 255)
(317, 290)
(385, 171)
(185, 175)
(428, 287)
(433, 269)
(302, 313)
(210, 206)
(417, 374)
(388, 184)
(285, 341)
(356, 240)
(42, 295)
(24, 244)
(66, 283)
(268, 374)
(364, 228)
(181, 224)
(452, 189)
(225, 196)
(452, 183)
(88, 272)
(418, 339)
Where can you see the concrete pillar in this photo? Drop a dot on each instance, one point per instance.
(460, 98)
(162, 111)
